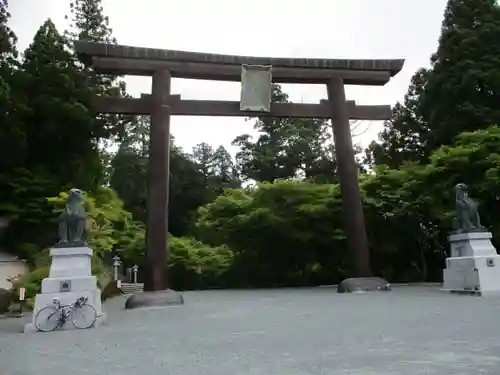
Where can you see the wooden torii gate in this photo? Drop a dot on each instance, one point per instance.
(162, 65)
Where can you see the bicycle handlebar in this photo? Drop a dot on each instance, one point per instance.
(79, 301)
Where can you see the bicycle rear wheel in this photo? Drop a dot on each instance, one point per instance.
(47, 319)
(83, 316)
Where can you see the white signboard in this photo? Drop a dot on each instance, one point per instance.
(256, 88)
(22, 293)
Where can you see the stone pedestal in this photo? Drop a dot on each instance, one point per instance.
(474, 265)
(70, 278)
(363, 285)
(159, 298)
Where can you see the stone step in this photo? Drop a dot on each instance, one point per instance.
(130, 288)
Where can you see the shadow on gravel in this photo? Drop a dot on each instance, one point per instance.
(14, 325)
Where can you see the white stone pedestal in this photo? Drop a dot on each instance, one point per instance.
(474, 265)
(70, 278)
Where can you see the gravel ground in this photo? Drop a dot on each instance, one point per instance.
(411, 330)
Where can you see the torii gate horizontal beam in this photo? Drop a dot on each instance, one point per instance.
(128, 60)
(141, 106)
(137, 67)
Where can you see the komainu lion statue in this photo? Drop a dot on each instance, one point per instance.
(73, 220)
(467, 217)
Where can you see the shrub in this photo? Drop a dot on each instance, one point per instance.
(14, 308)
(101, 272)
(110, 290)
(195, 265)
(31, 282)
(6, 298)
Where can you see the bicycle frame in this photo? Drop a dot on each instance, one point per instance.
(67, 310)
(64, 313)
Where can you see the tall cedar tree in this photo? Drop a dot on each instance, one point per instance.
(60, 128)
(11, 136)
(59, 135)
(90, 24)
(463, 88)
(287, 148)
(128, 177)
(216, 168)
(402, 138)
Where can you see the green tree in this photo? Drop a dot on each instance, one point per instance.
(12, 136)
(12, 142)
(187, 192)
(8, 38)
(8, 54)
(217, 169)
(461, 93)
(60, 129)
(59, 136)
(398, 205)
(129, 178)
(202, 155)
(287, 148)
(192, 264)
(474, 159)
(109, 224)
(225, 172)
(285, 233)
(417, 201)
(129, 167)
(136, 135)
(279, 232)
(403, 137)
(91, 25)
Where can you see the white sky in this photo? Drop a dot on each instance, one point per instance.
(364, 29)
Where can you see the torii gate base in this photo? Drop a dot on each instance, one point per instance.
(160, 105)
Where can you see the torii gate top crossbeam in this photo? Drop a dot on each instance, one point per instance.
(120, 59)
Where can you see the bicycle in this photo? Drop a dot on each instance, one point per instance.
(56, 315)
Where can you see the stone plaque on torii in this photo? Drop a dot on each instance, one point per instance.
(162, 65)
(256, 81)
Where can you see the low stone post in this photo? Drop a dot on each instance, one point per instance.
(135, 269)
(116, 265)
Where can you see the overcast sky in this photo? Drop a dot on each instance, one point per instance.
(358, 29)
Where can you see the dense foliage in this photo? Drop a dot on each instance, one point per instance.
(286, 228)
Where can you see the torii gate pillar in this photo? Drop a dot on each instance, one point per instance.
(352, 208)
(158, 183)
(156, 291)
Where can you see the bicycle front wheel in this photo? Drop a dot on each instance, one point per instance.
(47, 319)
(84, 316)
